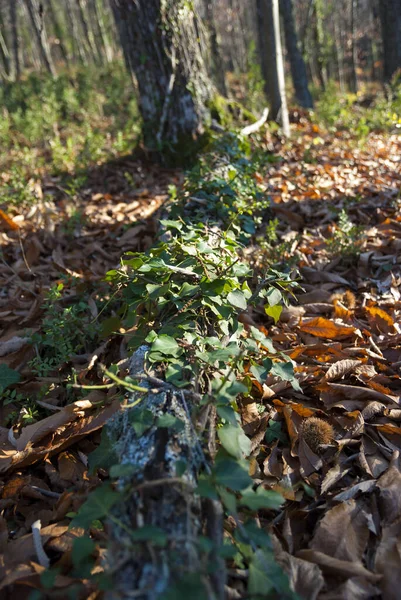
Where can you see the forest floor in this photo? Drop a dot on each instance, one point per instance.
(336, 218)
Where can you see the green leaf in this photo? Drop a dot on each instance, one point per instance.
(97, 506)
(261, 499)
(188, 587)
(285, 371)
(171, 224)
(125, 470)
(141, 420)
(109, 326)
(259, 582)
(274, 311)
(234, 441)
(8, 376)
(265, 341)
(237, 299)
(274, 296)
(231, 474)
(149, 533)
(170, 422)
(83, 549)
(156, 291)
(166, 345)
(275, 432)
(229, 500)
(206, 488)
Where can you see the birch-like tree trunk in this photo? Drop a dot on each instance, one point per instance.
(272, 60)
(298, 69)
(162, 49)
(35, 10)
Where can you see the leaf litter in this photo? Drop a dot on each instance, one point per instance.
(337, 535)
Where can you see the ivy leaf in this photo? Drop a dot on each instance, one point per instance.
(265, 341)
(234, 441)
(170, 422)
(141, 420)
(259, 582)
(285, 371)
(125, 470)
(274, 296)
(274, 311)
(237, 299)
(231, 474)
(261, 499)
(97, 506)
(8, 377)
(166, 345)
(82, 555)
(275, 432)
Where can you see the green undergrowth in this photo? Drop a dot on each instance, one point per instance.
(63, 125)
(362, 113)
(183, 299)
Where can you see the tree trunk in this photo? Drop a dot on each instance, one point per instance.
(280, 69)
(35, 10)
(353, 74)
(267, 53)
(272, 60)
(390, 17)
(58, 29)
(15, 40)
(162, 50)
(78, 51)
(298, 69)
(90, 42)
(217, 62)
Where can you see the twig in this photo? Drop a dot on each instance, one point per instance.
(42, 557)
(47, 493)
(255, 126)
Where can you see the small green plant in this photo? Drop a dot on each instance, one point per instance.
(65, 331)
(347, 237)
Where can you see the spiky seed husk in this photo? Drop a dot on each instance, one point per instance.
(317, 432)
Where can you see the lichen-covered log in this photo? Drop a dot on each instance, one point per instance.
(162, 48)
(158, 498)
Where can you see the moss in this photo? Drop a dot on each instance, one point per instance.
(229, 113)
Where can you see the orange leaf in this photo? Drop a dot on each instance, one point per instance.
(9, 223)
(388, 428)
(324, 328)
(380, 318)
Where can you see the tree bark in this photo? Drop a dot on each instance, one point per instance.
(217, 62)
(90, 42)
(15, 40)
(390, 17)
(353, 74)
(158, 500)
(272, 60)
(162, 50)
(35, 10)
(58, 30)
(298, 69)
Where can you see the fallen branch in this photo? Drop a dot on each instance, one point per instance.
(255, 126)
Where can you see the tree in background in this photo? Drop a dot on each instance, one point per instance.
(271, 57)
(297, 63)
(390, 17)
(162, 49)
(35, 10)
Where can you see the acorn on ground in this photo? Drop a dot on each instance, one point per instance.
(317, 433)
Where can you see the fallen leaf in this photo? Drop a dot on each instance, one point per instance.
(324, 328)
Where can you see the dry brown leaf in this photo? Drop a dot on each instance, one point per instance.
(342, 532)
(356, 588)
(324, 328)
(336, 566)
(305, 578)
(388, 561)
(35, 432)
(341, 368)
